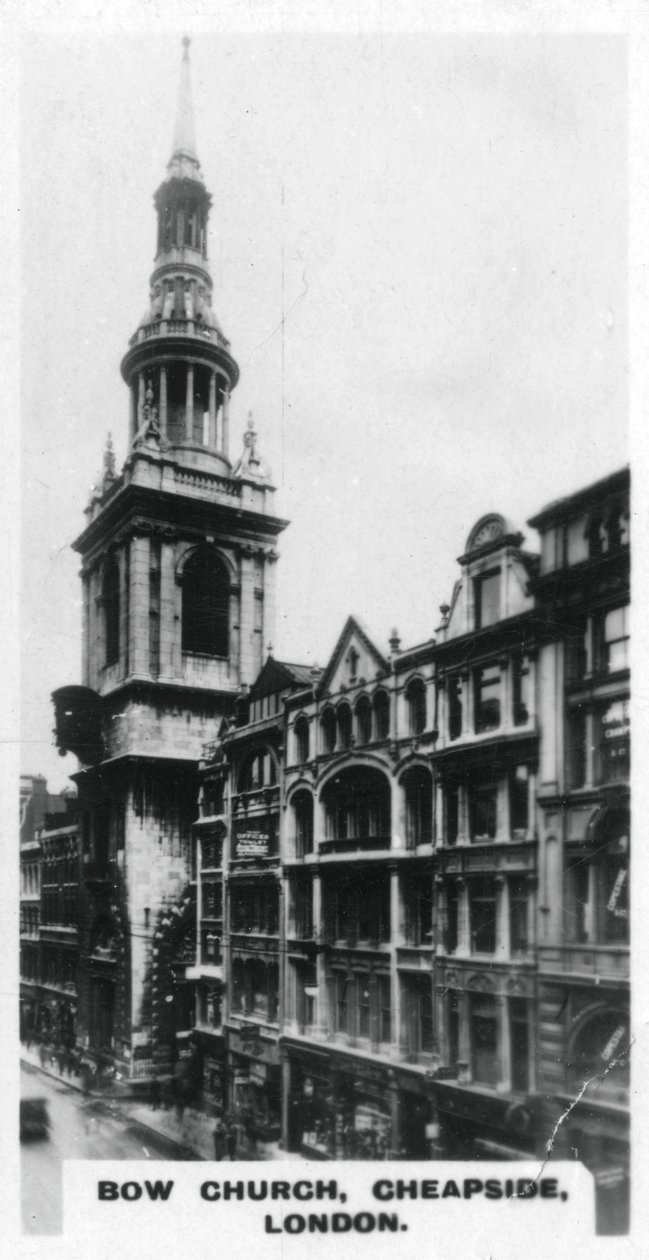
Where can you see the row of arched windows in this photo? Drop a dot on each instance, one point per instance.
(369, 721)
(205, 616)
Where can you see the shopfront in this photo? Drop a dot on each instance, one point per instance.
(254, 1085)
(343, 1107)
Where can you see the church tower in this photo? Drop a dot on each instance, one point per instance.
(178, 567)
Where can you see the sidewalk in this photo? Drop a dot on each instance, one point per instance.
(191, 1135)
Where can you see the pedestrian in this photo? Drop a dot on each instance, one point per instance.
(154, 1094)
(231, 1140)
(220, 1137)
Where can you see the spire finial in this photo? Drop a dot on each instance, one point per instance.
(184, 144)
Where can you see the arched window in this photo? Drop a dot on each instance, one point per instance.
(363, 721)
(110, 592)
(416, 701)
(344, 716)
(257, 771)
(206, 605)
(381, 708)
(302, 740)
(328, 725)
(599, 1052)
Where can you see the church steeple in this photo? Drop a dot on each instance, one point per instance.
(179, 359)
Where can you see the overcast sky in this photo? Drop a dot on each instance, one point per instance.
(442, 220)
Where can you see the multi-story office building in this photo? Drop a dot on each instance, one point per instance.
(49, 890)
(485, 762)
(581, 594)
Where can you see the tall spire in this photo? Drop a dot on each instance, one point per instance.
(183, 151)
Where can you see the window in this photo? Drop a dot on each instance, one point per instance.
(483, 811)
(363, 721)
(482, 915)
(576, 748)
(519, 799)
(303, 909)
(613, 740)
(576, 651)
(342, 1012)
(381, 707)
(520, 1045)
(302, 740)
(616, 640)
(328, 727)
(205, 604)
(257, 771)
(363, 986)
(518, 918)
(384, 996)
(487, 684)
(487, 598)
(452, 813)
(521, 687)
(110, 592)
(597, 883)
(452, 918)
(454, 708)
(418, 792)
(416, 702)
(418, 908)
(303, 819)
(344, 716)
(484, 1039)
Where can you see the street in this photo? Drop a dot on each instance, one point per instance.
(79, 1129)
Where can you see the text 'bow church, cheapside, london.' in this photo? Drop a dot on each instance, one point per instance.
(372, 910)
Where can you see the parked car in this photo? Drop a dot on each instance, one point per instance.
(34, 1118)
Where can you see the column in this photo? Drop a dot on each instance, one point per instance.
(170, 658)
(503, 830)
(467, 702)
(132, 429)
(502, 918)
(246, 662)
(139, 606)
(504, 1045)
(212, 442)
(464, 1038)
(463, 920)
(463, 822)
(506, 697)
(141, 390)
(439, 831)
(225, 422)
(590, 748)
(163, 401)
(285, 1096)
(395, 925)
(440, 925)
(189, 404)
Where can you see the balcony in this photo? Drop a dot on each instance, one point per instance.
(355, 844)
(608, 962)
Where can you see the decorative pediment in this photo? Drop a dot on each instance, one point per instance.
(354, 657)
(481, 983)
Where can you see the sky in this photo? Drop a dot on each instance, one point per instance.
(419, 252)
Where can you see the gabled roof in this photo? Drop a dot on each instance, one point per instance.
(352, 628)
(279, 676)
